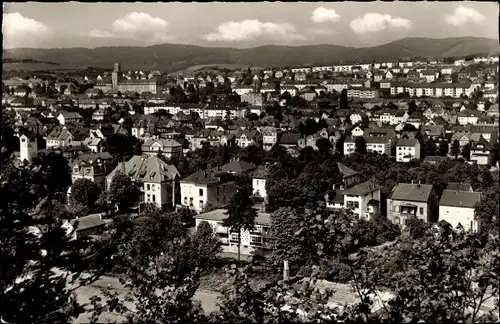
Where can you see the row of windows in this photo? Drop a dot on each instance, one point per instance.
(404, 209)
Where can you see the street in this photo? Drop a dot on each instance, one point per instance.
(208, 299)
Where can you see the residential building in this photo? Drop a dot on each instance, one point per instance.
(251, 241)
(211, 186)
(94, 167)
(457, 207)
(246, 138)
(407, 150)
(480, 152)
(259, 177)
(60, 136)
(167, 147)
(363, 93)
(269, 137)
(238, 167)
(380, 145)
(364, 199)
(153, 176)
(66, 117)
(412, 200)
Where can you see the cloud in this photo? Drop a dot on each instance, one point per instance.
(19, 31)
(321, 15)
(251, 29)
(464, 15)
(97, 33)
(374, 22)
(136, 25)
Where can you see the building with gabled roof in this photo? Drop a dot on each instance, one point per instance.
(153, 176)
(457, 207)
(211, 186)
(412, 200)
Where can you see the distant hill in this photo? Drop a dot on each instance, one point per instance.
(174, 57)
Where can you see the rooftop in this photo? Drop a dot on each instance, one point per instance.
(412, 192)
(220, 215)
(457, 198)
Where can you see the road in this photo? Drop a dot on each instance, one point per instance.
(208, 299)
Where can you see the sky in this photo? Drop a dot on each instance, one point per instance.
(218, 24)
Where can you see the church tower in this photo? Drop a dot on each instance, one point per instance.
(28, 147)
(115, 75)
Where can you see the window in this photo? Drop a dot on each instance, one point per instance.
(201, 204)
(191, 202)
(149, 197)
(421, 210)
(255, 240)
(356, 204)
(201, 192)
(234, 237)
(148, 187)
(154, 198)
(185, 200)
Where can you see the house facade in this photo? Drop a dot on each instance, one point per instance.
(251, 241)
(457, 207)
(412, 200)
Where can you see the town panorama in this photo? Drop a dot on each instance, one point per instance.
(274, 163)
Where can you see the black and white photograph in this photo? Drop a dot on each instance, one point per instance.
(250, 162)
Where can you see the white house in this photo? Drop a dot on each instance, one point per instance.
(210, 186)
(259, 182)
(250, 240)
(457, 207)
(363, 199)
(153, 176)
(357, 131)
(407, 150)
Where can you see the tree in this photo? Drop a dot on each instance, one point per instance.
(461, 267)
(240, 212)
(487, 212)
(443, 148)
(429, 148)
(54, 175)
(206, 244)
(123, 192)
(324, 145)
(455, 149)
(343, 99)
(360, 144)
(466, 152)
(412, 108)
(38, 257)
(409, 127)
(85, 193)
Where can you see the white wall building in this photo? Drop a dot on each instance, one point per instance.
(457, 207)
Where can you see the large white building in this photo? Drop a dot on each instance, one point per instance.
(361, 92)
(457, 207)
(407, 150)
(250, 240)
(153, 176)
(211, 186)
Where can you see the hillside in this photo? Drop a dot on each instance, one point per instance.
(173, 57)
